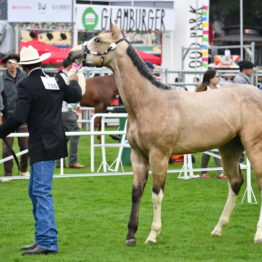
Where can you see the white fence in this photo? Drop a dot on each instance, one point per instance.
(186, 172)
(169, 77)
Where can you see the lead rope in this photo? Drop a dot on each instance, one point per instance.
(13, 153)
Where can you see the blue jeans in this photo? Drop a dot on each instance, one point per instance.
(40, 187)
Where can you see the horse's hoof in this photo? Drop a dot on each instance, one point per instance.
(215, 234)
(150, 241)
(130, 242)
(258, 241)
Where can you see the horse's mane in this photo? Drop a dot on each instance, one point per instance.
(143, 69)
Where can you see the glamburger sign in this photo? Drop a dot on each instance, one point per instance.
(92, 17)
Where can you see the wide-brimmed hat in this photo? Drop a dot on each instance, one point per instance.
(29, 55)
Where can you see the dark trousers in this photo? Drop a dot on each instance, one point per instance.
(204, 162)
(23, 144)
(70, 124)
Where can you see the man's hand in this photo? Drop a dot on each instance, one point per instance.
(73, 77)
(80, 78)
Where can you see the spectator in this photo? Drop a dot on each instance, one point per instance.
(9, 80)
(150, 66)
(210, 81)
(246, 70)
(244, 77)
(69, 117)
(39, 103)
(226, 80)
(196, 80)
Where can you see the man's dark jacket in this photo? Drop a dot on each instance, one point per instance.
(40, 108)
(10, 90)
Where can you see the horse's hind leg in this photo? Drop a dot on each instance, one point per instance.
(140, 170)
(230, 154)
(158, 165)
(254, 153)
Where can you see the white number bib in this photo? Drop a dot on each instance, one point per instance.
(50, 83)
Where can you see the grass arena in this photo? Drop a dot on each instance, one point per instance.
(92, 212)
(92, 215)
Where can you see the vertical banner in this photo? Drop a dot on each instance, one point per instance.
(205, 30)
(191, 32)
(198, 34)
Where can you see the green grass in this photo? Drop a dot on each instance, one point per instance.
(92, 215)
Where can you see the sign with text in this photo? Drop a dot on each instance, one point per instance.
(95, 17)
(198, 35)
(40, 11)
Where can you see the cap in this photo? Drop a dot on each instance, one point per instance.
(149, 65)
(14, 58)
(245, 64)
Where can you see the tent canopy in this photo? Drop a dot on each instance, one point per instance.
(59, 54)
(149, 57)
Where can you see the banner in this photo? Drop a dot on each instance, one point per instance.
(40, 11)
(198, 31)
(95, 17)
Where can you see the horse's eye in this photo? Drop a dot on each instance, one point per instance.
(97, 40)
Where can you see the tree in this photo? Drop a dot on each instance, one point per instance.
(228, 12)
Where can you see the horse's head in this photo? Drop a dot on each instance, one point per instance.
(99, 50)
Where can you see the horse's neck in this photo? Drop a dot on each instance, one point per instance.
(132, 86)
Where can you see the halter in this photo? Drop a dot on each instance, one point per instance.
(112, 47)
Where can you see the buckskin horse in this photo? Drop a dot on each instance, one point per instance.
(100, 91)
(162, 122)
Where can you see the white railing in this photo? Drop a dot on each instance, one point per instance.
(186, 172)
(103, 145)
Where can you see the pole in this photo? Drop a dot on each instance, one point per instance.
(74, 33)
(241, 29)
(196, 42)
(17, 38)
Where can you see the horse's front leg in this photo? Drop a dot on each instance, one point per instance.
(99, 108)
(98, 128)
(159, 165)
(140, 170)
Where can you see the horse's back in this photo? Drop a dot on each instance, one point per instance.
(99, 89)
(202, 120)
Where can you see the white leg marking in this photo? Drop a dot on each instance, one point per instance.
(156, 224)
(224, 218)
(258, 235)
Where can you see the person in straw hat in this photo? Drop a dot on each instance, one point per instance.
(39, 103)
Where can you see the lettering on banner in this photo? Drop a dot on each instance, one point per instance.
(134, 19)
(198, 32)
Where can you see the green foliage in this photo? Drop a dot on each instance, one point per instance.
(228, 12)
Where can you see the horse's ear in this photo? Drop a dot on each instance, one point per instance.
(115, 30)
